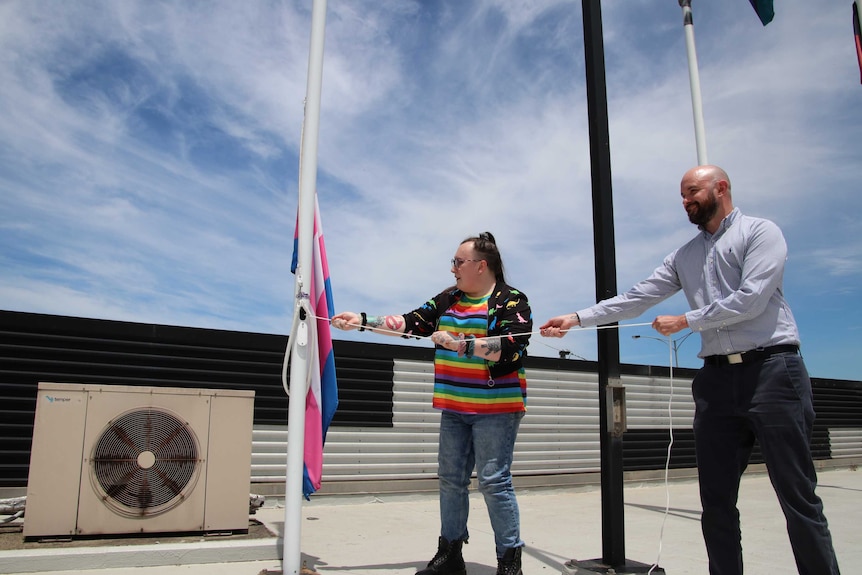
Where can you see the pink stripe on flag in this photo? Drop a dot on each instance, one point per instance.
(322, 398)
(857, 34)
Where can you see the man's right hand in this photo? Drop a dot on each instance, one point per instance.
(558, 326)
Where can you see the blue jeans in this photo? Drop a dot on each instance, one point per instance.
(770, 400)
(487, 443)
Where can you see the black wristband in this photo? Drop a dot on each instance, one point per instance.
(364, 321)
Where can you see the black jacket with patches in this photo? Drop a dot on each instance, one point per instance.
(509, 318)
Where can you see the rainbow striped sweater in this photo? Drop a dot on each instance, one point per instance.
(470, 384)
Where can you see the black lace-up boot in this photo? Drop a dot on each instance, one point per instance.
(510, 562)
(447, 561)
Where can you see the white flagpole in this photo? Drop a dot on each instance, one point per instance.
(694, 80)
(301, 352)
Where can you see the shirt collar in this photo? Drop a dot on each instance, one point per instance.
(722, 227)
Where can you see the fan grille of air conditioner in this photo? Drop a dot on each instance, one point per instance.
(145, 462)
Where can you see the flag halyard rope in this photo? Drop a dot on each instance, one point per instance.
(385, 331)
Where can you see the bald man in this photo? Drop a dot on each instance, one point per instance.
(753, 383)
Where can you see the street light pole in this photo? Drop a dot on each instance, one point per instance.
(674, 343)
(565, 353)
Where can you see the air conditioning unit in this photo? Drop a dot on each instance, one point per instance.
(117, 459)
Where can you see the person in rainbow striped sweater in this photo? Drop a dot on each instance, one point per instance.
(481, 328)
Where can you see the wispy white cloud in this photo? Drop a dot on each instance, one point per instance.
(149, 153)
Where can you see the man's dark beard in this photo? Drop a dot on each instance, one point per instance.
(702, 213)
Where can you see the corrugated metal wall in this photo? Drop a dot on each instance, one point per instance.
(559, 435)
(385, 429)
(37, 347)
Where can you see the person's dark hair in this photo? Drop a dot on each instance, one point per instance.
(486, 246)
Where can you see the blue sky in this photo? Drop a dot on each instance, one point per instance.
(149, 155)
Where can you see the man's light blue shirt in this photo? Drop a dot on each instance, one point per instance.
(732, 280)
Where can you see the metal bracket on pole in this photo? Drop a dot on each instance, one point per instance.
(616, 406)
(302, 332)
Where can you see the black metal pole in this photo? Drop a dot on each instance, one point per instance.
(611, 393)
(611, 444)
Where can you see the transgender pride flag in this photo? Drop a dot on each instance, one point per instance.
(322, 398)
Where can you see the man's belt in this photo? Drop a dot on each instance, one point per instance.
(751, 356)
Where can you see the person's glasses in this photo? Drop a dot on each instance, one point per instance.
(458, 262)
